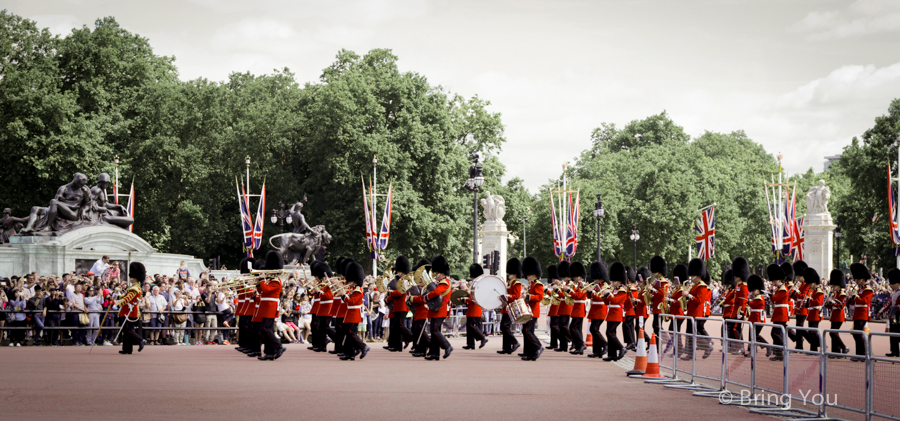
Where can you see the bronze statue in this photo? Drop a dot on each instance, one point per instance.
(109, 212)
(8, 225)
(66, 209)
(297, 219)
(298, 248)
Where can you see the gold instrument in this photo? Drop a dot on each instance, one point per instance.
(405, 283)
(548, 297)
(423, 276)
(382, 281)
(683, 300)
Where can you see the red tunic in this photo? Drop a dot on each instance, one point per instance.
(535, 295)
(599, 307)
(800, 299)
(814, 305)
(728, 305)
(129, 305)
(861, 304)
(675, 304)
(616, 305)
(399, 300)
(699, 303)
(326, 299)
(420, 312)
(513, 293)
(353, 310)
(442, 288)
(780, 305)
(757, 310)
(563, 309)
(837, 307)
(257, 316)
(580, 298)
(629, 303)
(659, 296)
(472, 309)
(335, 307)
(554, 309)
(270, 292)
(741, 295)
(315, 303)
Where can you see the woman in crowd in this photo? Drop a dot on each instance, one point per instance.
(93, 302)
(180, 304)
(16, 305)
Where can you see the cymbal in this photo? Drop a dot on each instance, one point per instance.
(458, 297)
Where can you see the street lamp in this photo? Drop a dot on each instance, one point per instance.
(598, 213)
(281, 216)
(523, 220)
(476, 179)
(837, 234)
(635, 236)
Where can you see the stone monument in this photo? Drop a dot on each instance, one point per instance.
(819, 230)
(494, 236)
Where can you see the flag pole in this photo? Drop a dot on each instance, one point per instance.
(374, 198)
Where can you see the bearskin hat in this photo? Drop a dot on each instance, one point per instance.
(551, 273)
(530, 266)
(246, 264)
(439, 264)
(680, 272)
(274, 261)
(755, 283)
(728, 277)
(799, 267)
(860, 271)
(775, 272)
(577, 270)
(696, 267)
(643, 274)
(658, 265)
(401, 265)
(562, 269)
(810, 276)
(630, 274)
(321, 270)
(740, 268)
(475, 271)
(137, 271)
(893, 276)
(420, 263)
(599, 272)
(837, 278)
(617, 272)
(514, 267)
(355, 273)
(259, 264)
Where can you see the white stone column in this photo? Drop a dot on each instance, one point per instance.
(819, 243)
(495, 237)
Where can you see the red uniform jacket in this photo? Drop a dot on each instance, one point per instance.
(861, 304)
(757, 310)
(741, 295)
(442, 289)
(326, 299)
(617, 305)
(335, 307)
(800, 299)
(472, 309)
(354, 306)
(629, 303)
(554, 310)
(780, 305)
(241, 304)
(129, 305)
(698, 304)
(837, 307)
(728, 305)
(257, 315)
(399, 300)
(535, 295)
(563, 309)
(580, 298)
(270, 292)
(599, 306)
(814, 305)
(513, 293)
(315, 303)
(675, 304)
(342, 309)
(659, 296)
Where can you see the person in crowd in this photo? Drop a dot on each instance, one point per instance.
(93, 303)
(180, 304)
(157, 304)
(17, 308)
(100, 266)
(38, 312)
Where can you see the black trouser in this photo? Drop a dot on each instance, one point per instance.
(243, 322)
(837, 344)
(267, 336)
(778, 338)
(473, 331)
(637, 331)
(614, 344)
(628, 330)
(812, 336)
(575, 327)
(253, 336)
(339, 337)
(554, 333)
(353, 343)
(657, 322)
(52, 322)
(731, 333)
(17, 335)
(326, 331)
(858, 337)
(702, 343)
(759, 338)
(530, 341)
(132, 334)
(562, 323)
(399, 332)
(895, 341)
(421, 345)
(506, 326)
(599, 340)
(675, 327)
(313, 331)
(438, 341)
(798, 336)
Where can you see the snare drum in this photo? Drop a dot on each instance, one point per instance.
(486, 291)
(519, 311)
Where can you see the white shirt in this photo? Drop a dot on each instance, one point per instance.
(157, 303)
(224, 305)
(99, 267)
(70, 293)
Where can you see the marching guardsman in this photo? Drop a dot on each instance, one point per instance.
(642, 285)
(616, 300)
(313, 294)
(780, 308)
(552, 313)
(660, 289)
(757, 310)
(400, 336)
(420, 319)
(440, 268)
(129, 310)
(473, 314)
(564, 310)
(270, 291)
(579, 299)
(862, 303)
(256, 316)
(727, 303)
(338, 310)
(814, 303)
(598, 311)
(893, 312)
(321, 272)
(326, 301)
(680, 281)
(355, 276)
(241, 312)
(513, 293)
(799, 295)
(532, 270)
(628, 324)
(741, 297)
(837, 302)
(698, 304)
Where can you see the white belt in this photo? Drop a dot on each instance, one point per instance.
(599, 303)
(352, 307)
(857, 305)
(579, 301)
(614, 306)
(324, 302)
(756, 311)
(781, 305)
(257, 306)
(315, 300)
(268, 299)
(242, 301)
(816, 308)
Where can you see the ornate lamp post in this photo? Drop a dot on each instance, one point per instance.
(635, 236)
(524, 220)
(281, 216)
(598, 213)
(476, 179)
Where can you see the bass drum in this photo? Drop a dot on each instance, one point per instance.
(486, 291)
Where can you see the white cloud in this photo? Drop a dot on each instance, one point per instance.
(57, 24)
(861, 18)
(845, 86)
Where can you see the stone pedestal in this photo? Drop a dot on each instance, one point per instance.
(819, 243)
(495, 237)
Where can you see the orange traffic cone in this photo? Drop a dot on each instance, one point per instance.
(640, 360)
(589, 341)
(653, 361)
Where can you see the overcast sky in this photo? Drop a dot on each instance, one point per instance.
(800, 77)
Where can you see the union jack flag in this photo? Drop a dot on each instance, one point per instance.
(385, 233)
(557, 239)
(572, 229)
(370, 230)
(894, 221)
(788, 233)
(706, 234)
(798, 239)
(130, 208)
(260, 220)
(246, 222)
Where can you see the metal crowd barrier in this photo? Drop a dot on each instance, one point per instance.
(806, 381)
(690, 346)
(711, 366)
(850, 375)
(884, 377)
(738, 371)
